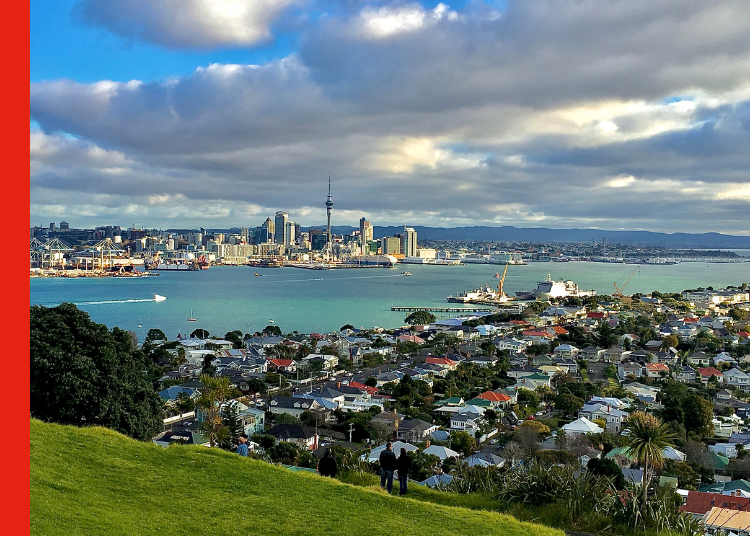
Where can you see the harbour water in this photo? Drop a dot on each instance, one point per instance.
(228, 298)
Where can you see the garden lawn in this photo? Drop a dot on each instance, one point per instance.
(95, 481)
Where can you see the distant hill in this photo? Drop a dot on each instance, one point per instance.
(95, 481)
(541, 234)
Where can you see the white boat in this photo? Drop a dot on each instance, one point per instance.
(191, 319)
(406, 273)
(158, 297)
(550, 288)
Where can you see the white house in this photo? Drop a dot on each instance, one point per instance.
(735, 377)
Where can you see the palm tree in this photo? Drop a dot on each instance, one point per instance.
(648, 438)
(215, 392)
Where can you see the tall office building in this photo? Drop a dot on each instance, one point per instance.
(365, 231)
(291, 236)
(281, 231)
(270, 228)
(409, 242)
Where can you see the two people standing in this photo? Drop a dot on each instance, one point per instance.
(390, 463)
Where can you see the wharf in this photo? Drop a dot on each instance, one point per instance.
(443, 309)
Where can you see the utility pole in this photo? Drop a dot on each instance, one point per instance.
(351, 431)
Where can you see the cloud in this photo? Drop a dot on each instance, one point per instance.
(620, 114)
(186, 23)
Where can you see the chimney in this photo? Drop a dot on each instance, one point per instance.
(338, 385)
(428, 444)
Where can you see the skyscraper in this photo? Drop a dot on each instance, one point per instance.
(270, 228)
(409, 242)
(329, 207)
(291, 236)
(281, 229)
(365, 231)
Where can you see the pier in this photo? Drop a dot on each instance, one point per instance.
(442, 309)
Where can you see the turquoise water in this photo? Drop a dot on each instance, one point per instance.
(227, 298)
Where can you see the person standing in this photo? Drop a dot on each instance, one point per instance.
(242, 449)
(388, 463)
(327, 465)
(404, 464)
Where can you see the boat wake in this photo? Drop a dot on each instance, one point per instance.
(104, 302)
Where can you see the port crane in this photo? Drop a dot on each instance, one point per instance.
(500, 283)
(619, 290)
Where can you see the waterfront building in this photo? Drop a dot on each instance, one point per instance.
(280, 222)
(409, 242)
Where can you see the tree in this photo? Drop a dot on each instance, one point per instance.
(605, 335)
(155, 335)
(81, 373)
(569, 404)
(230, 417)
(528, 397)
(462, 442)
(235, 337)
(200, 333)
(272, 331)
(670, 341)
(420, 318)
(698, 414)
(648, 438)
(215, 392)
(184, 403)
(267, 442)
(371, 381)
(345, 327)
(608, 468)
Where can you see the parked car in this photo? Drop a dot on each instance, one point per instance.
(493, 441)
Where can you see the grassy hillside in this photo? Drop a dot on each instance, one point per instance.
(95, 481)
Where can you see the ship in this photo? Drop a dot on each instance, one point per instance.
(550, 288)
(158, 297)
(484, 294)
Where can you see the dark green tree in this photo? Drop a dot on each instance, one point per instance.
(419, 318)
(463, 443)
(698, 413)
(371, 381)
(272, 330)
(568, 403)
(235, 337)
(199, 333)
(82, 373)
(155, 335)
(230, 417)
(608, 468)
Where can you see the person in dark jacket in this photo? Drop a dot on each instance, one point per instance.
(388, 463)
(404, 464)
(327, 465)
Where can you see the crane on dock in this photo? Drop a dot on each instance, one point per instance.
(619, 290)
(501, 293)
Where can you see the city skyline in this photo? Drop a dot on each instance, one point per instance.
(613, 115)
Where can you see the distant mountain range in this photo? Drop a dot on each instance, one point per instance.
(545, 235)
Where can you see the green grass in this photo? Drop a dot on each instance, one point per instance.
(95, 481)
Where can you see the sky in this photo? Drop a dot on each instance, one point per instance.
(535, 113)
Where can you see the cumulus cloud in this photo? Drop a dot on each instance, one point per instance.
(620, 114)
(186, 23)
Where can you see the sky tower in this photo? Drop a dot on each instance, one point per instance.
(329, 207)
